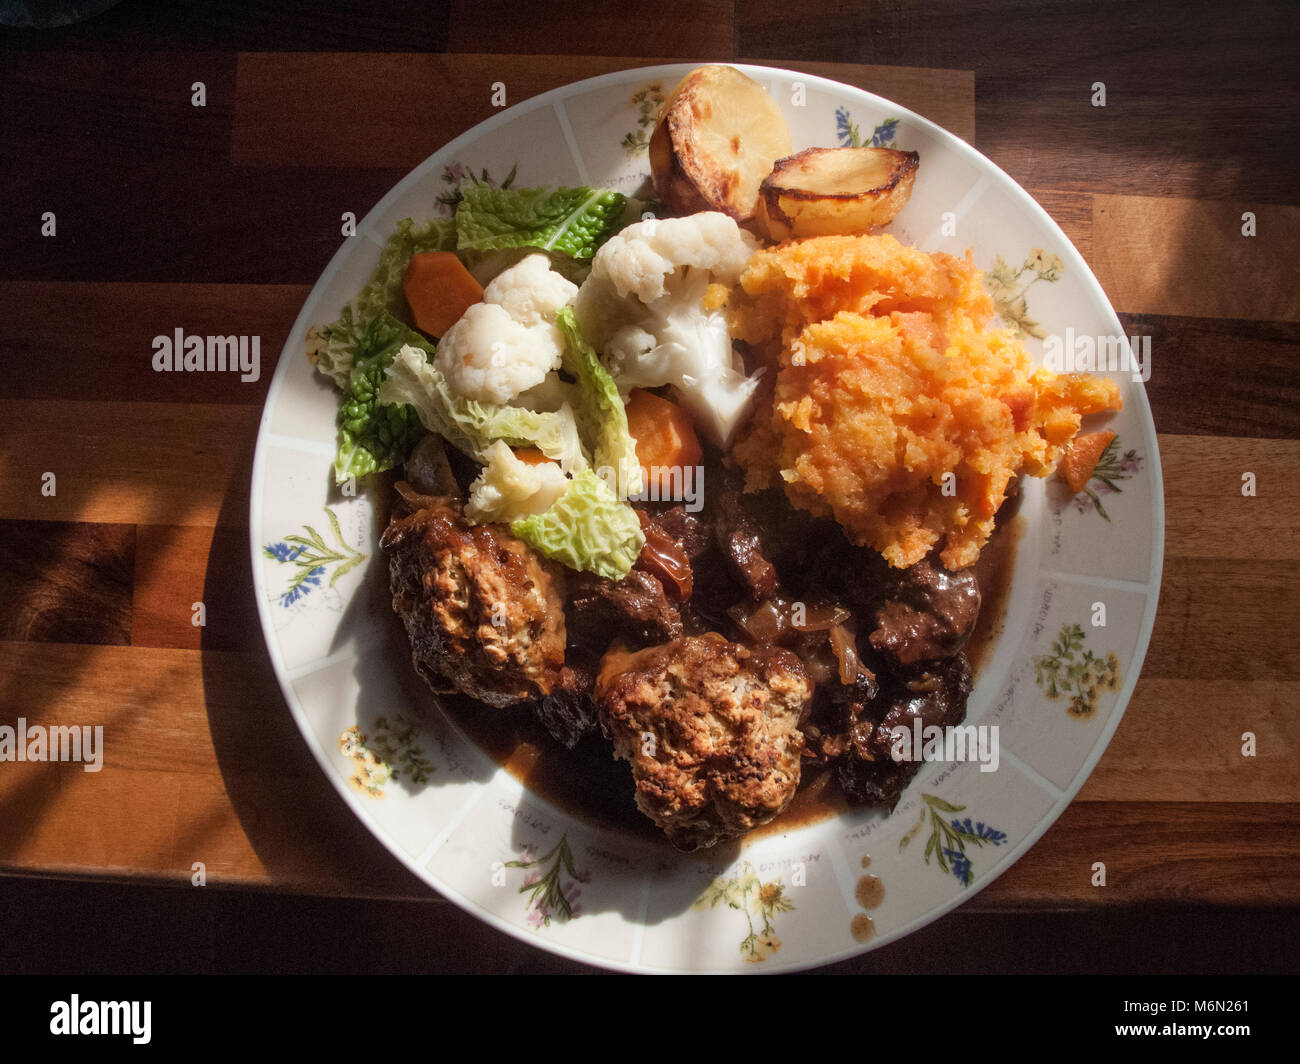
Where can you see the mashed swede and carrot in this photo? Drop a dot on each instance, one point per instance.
(889, 403)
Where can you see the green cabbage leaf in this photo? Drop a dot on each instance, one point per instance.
(573, 221)
(586, 528)
(602, 417)
(374, 436)
(333, 348)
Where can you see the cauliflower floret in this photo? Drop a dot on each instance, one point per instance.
(508, 343)
(508, 488)
(489, 356)
(640, 259)
(531, 292)
(547, 397)
(642, 307)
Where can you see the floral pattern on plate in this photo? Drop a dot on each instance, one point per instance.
(647, 102)
(1008, 291)
(1110, 469)
(454, 175)
(389, 751)
(1072, 669)
(550, 895)
(745, 893)
(312, 558)
(949, 837)
(850, 135)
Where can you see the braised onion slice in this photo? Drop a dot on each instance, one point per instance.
(664, 557)
(825, 637)
(418, 500)
(844, 645)
(428, 470)
(820, 617)
(768, 622)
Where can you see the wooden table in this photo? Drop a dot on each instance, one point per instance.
(219, 219)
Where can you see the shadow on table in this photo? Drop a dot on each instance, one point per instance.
(301, 830)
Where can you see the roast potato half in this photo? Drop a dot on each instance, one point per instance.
(835, 191)
(718, 135)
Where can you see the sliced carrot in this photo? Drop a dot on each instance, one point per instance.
(665, 437)
(1081, 456)
(439, 290)
(531, 456)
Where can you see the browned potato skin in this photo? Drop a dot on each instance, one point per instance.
(684, 178)
(672, 185)
(789, 211)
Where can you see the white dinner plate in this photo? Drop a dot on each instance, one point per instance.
(1055, 683)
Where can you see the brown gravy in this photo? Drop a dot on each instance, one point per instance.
(862, 928)
(869, 892)
(588, 783)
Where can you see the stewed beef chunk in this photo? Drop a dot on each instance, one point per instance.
(927, 613)
(569, 711)
(772, 546)
(688, 530)
(634, 609)
(936, 697)
(738, 538)
(836, 710)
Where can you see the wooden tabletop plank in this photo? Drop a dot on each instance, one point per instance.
(60, 365)
(179, 565)
(255, 224)
(1221, 376)
(699, 28)
(1164, 851)
(66, 582)
(66, 102)
(127, 463)
(328, 109)
(1206, 515)
(159, 708)
(1217, 599)
(290, 25)
(1166, 255)
(287, 832)
(1183, 741)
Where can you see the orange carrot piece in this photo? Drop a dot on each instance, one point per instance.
(532, 456)
(664, 434)
(1081, 456)
(439, 290)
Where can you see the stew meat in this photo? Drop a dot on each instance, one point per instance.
(749, 596)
